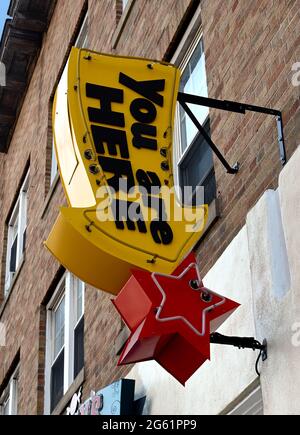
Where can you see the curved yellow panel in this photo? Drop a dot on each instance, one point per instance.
(113, 120)
(76, 182)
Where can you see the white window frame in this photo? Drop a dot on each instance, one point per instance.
(54, 164)
(81, 283)
(124, 4)
(11, 394)
(82, 39)
(182, 153)
(67, 288)
(18, 218)
(181, 57)
(62, 295)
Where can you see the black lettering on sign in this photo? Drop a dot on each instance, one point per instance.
(143, 111)
(161, 232)
(129, 212)
(106, 96)
(148, 179)
(158, 204)
(113, 138)
(139, 140)
(122, 170)
(148, 89)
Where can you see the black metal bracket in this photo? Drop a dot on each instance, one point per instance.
(231, 106)
(242, 343)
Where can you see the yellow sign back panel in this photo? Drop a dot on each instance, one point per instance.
(113, 130)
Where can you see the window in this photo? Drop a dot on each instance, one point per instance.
(124, 4)
(54, 165)
(58, 352)
(16, 235)
(82, 39)
(9, 399)
(193, 81)
(193, 155)
(65, 339)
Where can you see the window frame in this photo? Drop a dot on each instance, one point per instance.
(183, 54)
(79, 282)
(83, 33)
(124, 5)
(198, 38)
(19, 219)
(121, 21)
(79, 320)
(61, 292)
(66, 288)
(10, 395)
(54, 163)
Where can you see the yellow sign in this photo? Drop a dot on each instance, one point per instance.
(113, 130)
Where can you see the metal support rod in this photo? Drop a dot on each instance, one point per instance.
(231, 106)
(281, 141)
(241, 343)
(230, 169)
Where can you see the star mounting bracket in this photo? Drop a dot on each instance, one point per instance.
(243, 343)
(230, 106)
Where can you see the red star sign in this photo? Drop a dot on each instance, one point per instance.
(171, 318)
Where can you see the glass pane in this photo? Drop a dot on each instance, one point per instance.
(6, 407)
(79, 347)
(197, 169)
(24, 216)
(194, 82)
(13, 255)
(59, 328)
(15, 396)
(82, 40)
(57, 380)
(54, 165)
(13, 226)
(80, 298)
(24, 241)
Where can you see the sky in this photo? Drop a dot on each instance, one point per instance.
(3, 11)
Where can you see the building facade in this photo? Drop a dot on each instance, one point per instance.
(57, 333)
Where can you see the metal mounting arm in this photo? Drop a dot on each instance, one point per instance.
(242, 343)
(230, 106)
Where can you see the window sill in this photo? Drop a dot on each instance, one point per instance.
(122, 23)
(9, 292)
(66, 399)
(50, 194)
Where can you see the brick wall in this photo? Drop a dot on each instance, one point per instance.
(250, 48)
